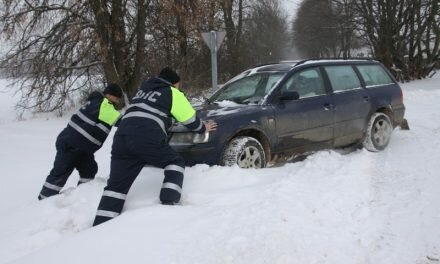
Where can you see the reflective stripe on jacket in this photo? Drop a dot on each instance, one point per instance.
(151, 111)
(92, 123)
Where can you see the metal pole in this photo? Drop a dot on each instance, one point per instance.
(214, 59)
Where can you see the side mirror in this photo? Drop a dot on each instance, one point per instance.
(288, 96)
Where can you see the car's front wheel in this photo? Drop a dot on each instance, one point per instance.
(378, 134)
(246, 152)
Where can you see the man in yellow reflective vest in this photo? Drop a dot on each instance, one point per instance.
(83, 136)
(141, 139)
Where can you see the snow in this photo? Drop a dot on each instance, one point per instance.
(333, 207)
(226, 108)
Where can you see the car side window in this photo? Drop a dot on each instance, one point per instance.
(306, 83)
(342, 78)
(374, 75)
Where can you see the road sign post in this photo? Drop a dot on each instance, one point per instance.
(213, 39)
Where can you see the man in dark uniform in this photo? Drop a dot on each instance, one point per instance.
(141, 139)
(83, 136)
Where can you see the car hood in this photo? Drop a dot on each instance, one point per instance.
(219, 112)
(223, 110)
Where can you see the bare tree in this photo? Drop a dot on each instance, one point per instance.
(233, 18)
(315, 29)
(62, 46)
(404, 35)
(346, 26)
(175, 28)
(66, 45)
(265, 33)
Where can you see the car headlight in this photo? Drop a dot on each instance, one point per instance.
(188, 138)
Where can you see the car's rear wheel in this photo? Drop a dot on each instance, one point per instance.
(378, 134)
(246, 152)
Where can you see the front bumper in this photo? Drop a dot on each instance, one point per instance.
(199, 154)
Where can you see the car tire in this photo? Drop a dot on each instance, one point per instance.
(246, 152)
(379, 129)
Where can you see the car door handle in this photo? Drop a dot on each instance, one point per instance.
(328, 107)
(366, 98)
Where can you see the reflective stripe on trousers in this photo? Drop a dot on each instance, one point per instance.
(116, 195)
(52, 187)
(110, 206)
(84, 180)
(172, 185)
(105, 213)
(175, 168)
(49, 190)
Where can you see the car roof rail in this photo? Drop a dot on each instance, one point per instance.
(302, 62)
(265, 64)
(289, 61)
(334, 58)
(299, 62)
(278, 62)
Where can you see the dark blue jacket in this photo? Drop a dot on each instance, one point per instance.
(153, 109)
(89, 127)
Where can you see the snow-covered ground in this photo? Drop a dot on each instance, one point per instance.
(339, 208)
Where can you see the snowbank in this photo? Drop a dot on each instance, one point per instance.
(360, 207)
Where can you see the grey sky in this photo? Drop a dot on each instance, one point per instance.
(290, 7)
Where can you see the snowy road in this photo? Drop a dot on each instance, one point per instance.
(358, 208)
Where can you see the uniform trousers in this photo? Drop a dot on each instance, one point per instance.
(68, 158)
(130, 153)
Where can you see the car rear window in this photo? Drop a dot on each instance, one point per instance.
(342, 78)
(374, 75)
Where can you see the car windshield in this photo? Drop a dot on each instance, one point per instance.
(250, 89)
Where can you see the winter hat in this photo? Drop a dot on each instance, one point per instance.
(113, 89)
(169, 75)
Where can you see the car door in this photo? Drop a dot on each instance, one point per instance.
(351, 104)
(305, 123)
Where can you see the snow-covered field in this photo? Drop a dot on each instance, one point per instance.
(339, 208)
